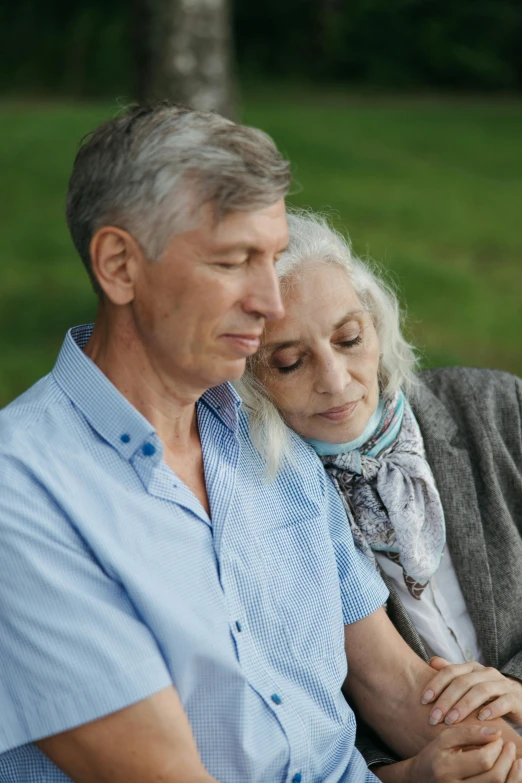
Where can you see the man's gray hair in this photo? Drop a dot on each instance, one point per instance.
(151, 170)
(313, 240)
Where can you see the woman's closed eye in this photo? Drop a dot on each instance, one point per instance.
(289, 367)
(292, 365)
(351, 343)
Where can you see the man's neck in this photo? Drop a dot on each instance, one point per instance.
(168, 403)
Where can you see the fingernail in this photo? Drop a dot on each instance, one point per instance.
(484, 715)
(519, 765)
(488, 731)
(451, 717)
(435, 717)
(428, 696)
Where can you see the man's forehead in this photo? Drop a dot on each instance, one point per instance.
(259, 231)
(248, 228)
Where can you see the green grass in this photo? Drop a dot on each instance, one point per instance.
(431, 189)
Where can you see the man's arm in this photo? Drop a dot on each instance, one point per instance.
(149, 742)
(75, 652)
(386, 681)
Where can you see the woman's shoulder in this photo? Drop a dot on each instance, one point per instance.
(448, 383)
(474, 399)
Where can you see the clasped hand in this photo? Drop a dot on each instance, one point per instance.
(468, 752)
(457, 690)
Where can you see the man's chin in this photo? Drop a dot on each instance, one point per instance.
(237, 368)
(231, 370)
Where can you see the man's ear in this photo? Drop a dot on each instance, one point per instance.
(115, 259)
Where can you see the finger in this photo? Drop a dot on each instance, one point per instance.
(500, 770)
(473, 764)
(506, 703)
(478, 696)
(515, 776)
(461, 737)
(444, 677)
(468, 693)
(438, 662)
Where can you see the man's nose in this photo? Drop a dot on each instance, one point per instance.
(332, 375)
(265, 295)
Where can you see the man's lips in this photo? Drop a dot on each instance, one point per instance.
(340, 413)
(246, 344)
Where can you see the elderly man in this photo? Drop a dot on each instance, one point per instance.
(166, 614)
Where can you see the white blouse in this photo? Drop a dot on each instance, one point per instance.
(440, 616)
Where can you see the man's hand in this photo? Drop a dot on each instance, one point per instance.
(149, 742)
(459, 689)
(464, 753)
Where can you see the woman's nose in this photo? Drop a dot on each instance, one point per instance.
(332, 376)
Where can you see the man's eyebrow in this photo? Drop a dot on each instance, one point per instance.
(242, 248)
(228, 250)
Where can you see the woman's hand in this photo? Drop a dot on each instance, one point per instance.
(463, 753)
(459, 689)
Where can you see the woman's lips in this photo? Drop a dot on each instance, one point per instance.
(340, 413)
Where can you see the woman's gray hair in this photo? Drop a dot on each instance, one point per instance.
(151, 170)
(312, 241)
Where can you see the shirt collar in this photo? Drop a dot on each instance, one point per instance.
(105, 408)
(224, 402)
(108, 411)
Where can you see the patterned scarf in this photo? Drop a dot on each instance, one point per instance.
(390, 496)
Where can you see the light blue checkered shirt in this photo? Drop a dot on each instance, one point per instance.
(114, 583)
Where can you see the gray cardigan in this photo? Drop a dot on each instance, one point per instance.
(471, 422)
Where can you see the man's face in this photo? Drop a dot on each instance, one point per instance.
(200, 309)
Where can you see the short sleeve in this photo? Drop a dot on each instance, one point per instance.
(72, 647)
(362, 589)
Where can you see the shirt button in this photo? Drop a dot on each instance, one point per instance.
(239, 626)
(297, 778)
(468, 655)
(148, 450)
(125, 438)
(276, 698)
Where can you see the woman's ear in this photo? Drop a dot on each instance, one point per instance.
(115, 258)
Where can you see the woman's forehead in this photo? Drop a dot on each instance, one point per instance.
(319, 297)
(313, 282)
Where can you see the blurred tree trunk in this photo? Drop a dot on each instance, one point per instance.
(183, 52)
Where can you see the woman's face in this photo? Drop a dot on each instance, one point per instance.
(320, 361)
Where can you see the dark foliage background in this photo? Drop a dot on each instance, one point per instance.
(82, 47)
(402, 118)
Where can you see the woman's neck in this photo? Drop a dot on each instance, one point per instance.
(323, 447)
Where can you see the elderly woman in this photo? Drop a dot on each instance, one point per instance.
(429, 467)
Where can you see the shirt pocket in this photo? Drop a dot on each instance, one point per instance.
(306, 592)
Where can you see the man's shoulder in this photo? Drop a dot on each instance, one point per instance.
(300, 471)
(39, 414)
